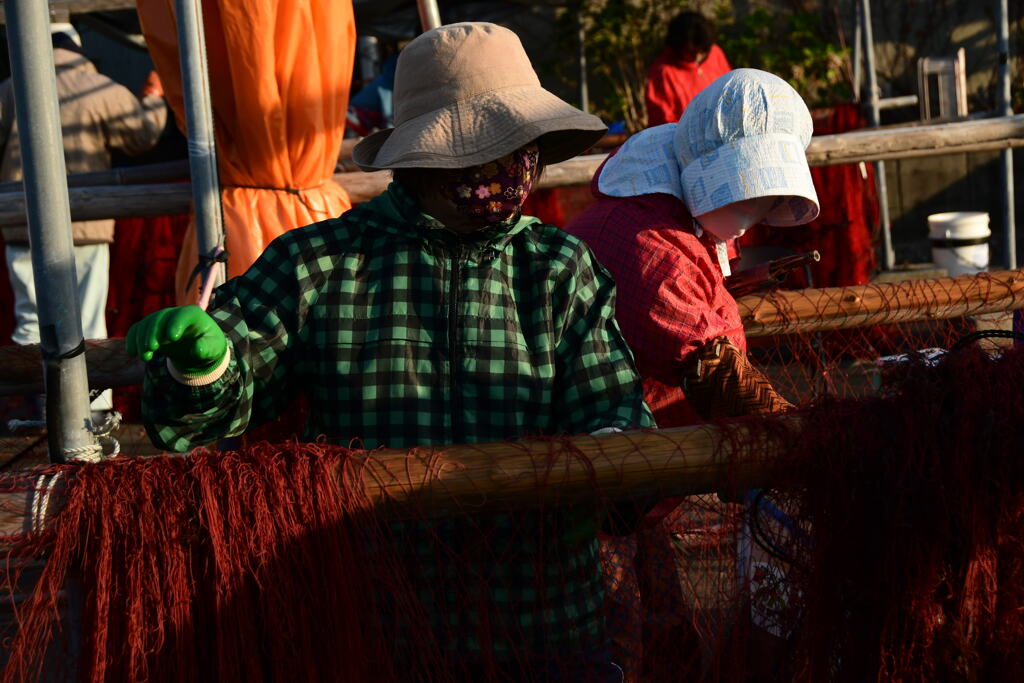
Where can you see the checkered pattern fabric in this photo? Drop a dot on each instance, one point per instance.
(531, 581)
(672, 295)
(403, 334)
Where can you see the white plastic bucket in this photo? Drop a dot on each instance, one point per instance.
(960, 241)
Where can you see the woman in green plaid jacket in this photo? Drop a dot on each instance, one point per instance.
(435, 313)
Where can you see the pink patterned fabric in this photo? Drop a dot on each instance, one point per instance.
(495, 191)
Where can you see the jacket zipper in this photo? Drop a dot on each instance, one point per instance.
(453, 340)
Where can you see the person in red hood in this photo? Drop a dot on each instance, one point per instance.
(689, 62)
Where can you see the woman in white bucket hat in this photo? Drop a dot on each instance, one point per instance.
(669, 204)
(433, 314)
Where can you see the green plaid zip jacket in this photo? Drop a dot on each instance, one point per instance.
(402, 333)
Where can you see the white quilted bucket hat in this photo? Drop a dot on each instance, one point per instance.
(744, 137)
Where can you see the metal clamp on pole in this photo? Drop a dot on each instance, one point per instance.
(49, 224)
(202, 149)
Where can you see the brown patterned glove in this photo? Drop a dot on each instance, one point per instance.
(720, 382)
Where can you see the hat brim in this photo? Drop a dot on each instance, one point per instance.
(747, 168)
(482, 129)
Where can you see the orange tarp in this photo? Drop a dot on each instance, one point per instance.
(280, 72)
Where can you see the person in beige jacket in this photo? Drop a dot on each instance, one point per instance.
(98, 116)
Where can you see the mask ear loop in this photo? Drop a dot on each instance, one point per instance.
(722, 252)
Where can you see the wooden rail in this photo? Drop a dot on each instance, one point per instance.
(164, 199)
(916, 141)
(763, 315)
(837, 308)
(109, 201)
(487, 477)
(61, 9)
(163, 172)
(107, 362)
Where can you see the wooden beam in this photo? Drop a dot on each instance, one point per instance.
(362, 187)
(109, 201)
(862, 145)
(139, 201)
(780, 312)
(106, 360)
(449, 480)
(837, 308)
(852, 147)
(577, 171)
(513, 475)
(163, 172)
(60, 10)
(990, 146)
(916, 141)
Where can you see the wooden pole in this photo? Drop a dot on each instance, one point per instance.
(780, 312)
(454, 480)
(837, 308)
(163, 172)
(864, 145)
(576, 171)
(513, 475)
(918, 141)
(140, 201)
(107, 363)
(66, 7)
(110, 201)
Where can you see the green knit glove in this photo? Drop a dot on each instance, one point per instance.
(186, 334)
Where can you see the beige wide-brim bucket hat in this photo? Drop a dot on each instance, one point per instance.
(466, 94)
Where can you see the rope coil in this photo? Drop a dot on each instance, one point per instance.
(106, 447)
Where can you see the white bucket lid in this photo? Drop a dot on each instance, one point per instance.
(958, 225)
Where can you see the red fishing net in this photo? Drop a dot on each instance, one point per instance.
(875, 533)
(877, 537)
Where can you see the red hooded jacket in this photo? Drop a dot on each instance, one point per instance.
(672, 83)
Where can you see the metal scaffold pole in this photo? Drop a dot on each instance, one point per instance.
(430, 17)
(581, 38)
(202, 150)
(49, 223)
(858, 50)
(1006, 109)
(888, 255)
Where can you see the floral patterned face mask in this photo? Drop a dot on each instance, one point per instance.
(495, 191)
